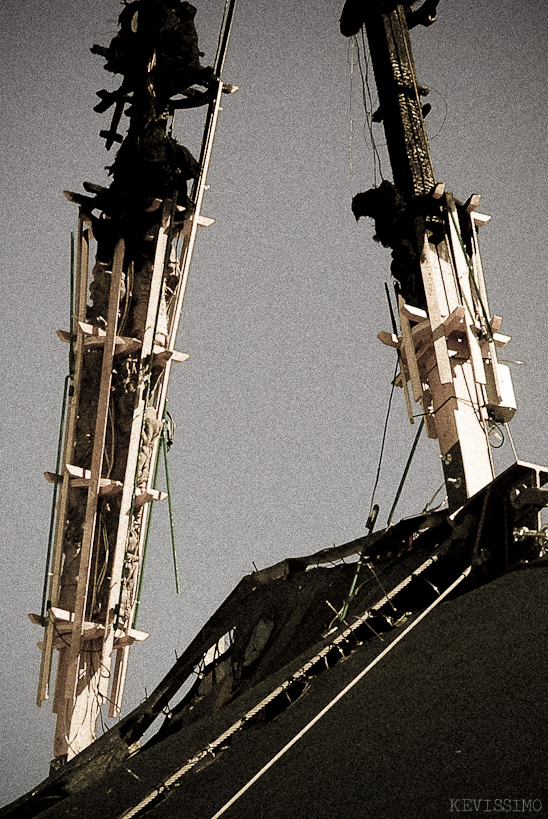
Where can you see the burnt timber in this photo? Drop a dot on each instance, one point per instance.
(122, 347)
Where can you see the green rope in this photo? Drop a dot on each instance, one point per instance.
(405, 471)
(164, 446)
(72, 329)
(145, 549)
(170, 506)
(68, 389)
(370, 525)
(54, 500)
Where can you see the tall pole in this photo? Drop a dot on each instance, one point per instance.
(399, 100)
(448, 341)
(123, 337)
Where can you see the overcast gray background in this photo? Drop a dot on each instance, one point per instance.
(280, 408)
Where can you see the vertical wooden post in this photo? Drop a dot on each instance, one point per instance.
(82, 277)
(127, 502)
(96, 467)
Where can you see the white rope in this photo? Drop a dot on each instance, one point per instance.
(340, 695)
(211, 748)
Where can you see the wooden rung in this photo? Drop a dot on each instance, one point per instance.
(202, 221)
(106, 486)
(78, 198)
(53, 477)
(162, 356)
(414, 313)
(62, 618)
(143, 496)
(81, 477)
(155, 204)
(500, 341)
(472, 203)
(389, 339)
(455, 321)
(408, 347)
(439, 190)
(421, 332)
(133, 636)
(92, 330)
(121, 344)
(480, 219)
(95, 337)
(92, 631)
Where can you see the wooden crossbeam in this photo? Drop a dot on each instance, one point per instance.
(96, 336)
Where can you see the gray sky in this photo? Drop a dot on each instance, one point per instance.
(280, 408)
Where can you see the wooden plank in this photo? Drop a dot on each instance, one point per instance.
(96, 467)
(421, 332)
(392, 340)
(95, 337)
(119, 681)
(162, 356)
(455, 321)
(439, 190)
(414, 313)
(143, 496)
(189, 233)
(127, 500)
(80, 478)
(432, 277)
(389, 339)
(410, 354)
(480, 219)
(93, 632)
(472, 203)
(499, 340)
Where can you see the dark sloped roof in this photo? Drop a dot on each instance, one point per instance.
(456, 711)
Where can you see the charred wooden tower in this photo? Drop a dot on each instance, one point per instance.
(448, 342)
(122, 344)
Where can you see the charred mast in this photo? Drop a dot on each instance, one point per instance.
(124, 324)
(447, 346)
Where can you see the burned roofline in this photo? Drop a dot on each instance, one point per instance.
(509, 505)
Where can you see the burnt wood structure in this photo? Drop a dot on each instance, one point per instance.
(448, 341)
(122, 341)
